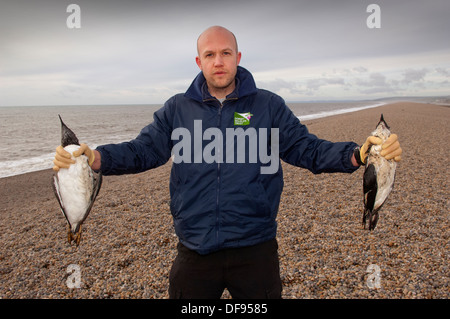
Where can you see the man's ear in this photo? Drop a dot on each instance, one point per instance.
(199, 63)
(238, 58)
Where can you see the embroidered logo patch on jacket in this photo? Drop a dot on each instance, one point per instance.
(242, 118)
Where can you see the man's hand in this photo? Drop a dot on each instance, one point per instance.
(364, 151)
(390, 149)
(84, 149)
(63, 159)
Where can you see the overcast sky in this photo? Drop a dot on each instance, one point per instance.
(143, 52)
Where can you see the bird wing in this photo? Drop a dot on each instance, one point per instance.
(370, 186)
(55, 186)
(97, 184)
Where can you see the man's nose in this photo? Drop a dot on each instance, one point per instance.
(218, 61)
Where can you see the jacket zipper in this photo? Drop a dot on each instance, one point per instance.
(219, 120)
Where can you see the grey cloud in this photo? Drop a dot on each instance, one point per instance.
(376, 83)
(315, 84)
(360, 69)
(277, 84)
(375, 79)
(378, 90)
(443, 71)
(411, 75)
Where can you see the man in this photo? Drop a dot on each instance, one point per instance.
(224, 206)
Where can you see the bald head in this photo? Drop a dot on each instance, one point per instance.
(218, 58)
(213, 32)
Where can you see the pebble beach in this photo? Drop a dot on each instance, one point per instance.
(128, 242)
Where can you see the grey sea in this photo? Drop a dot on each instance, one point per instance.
(30, 134)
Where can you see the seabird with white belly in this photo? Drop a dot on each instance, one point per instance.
(76, 187)
(379, 176)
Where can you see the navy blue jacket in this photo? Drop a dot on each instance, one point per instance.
(224, 203)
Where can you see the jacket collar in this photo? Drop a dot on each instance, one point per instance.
(245, 85)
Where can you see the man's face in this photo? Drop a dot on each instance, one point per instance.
(218, 59)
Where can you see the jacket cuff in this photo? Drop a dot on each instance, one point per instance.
(105, 160)
(357, 154)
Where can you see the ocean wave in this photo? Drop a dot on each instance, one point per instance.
(336, 112)
(26, 165)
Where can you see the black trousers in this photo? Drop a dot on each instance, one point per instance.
(247, 273)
